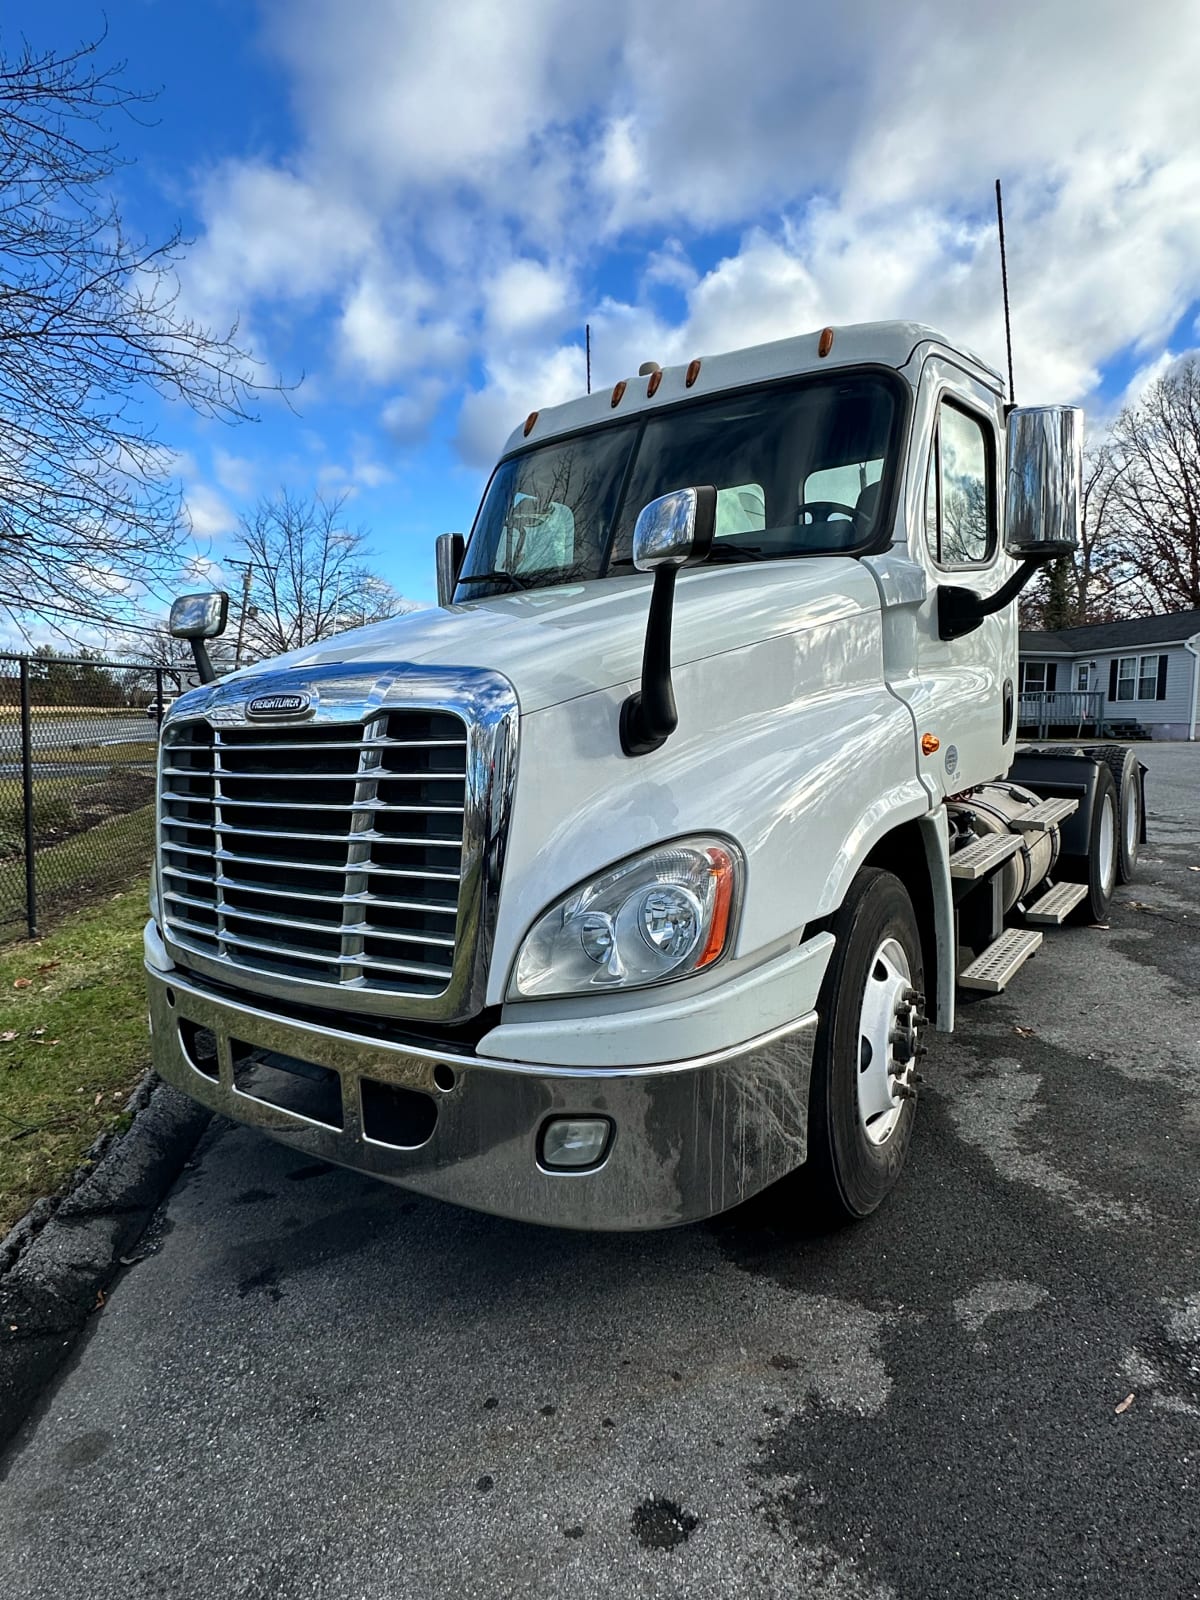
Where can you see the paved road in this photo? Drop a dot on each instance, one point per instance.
(60, 733)
(316, 1386)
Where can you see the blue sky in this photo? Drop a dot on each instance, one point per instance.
(413, 206)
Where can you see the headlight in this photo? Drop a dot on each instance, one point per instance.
(661, 915)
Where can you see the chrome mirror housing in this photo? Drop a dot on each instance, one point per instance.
(199, 616)
(1044, 491)
(448, 555)
(675, 529)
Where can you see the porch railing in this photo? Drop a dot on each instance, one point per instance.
(1076, 710)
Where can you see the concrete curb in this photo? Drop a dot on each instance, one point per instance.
(58, 1260)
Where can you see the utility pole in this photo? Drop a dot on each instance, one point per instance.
(247, 570)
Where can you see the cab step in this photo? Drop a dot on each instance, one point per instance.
(1044, 815)
(1056, 905)
(988, 852)
(993, 970)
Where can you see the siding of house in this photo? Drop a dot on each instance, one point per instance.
(1163, 719)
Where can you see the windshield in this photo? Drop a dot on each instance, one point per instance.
(797, 469)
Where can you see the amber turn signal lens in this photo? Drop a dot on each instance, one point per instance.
(721, 868)
(929, 743)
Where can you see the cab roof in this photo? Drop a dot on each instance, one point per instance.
(879, 344)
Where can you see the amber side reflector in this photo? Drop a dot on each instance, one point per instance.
(655, 380)
(618, 391)
(929, 743)
(825, 342)
(721, 865)
(693, 372)
(529, 422)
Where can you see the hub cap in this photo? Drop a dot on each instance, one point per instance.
(889, 1041)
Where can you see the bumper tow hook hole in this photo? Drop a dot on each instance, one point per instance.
(444, 1077)
(200, 1048)
(170, 994)
(391, 1115)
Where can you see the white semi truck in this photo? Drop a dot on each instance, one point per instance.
(626, 882)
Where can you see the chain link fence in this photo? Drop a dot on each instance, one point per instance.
(78, 743)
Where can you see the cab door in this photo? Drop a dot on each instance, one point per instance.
(965, 699)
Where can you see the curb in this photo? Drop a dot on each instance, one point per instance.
(58, 1260)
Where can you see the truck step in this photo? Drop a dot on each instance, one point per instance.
(1056, 905)
(1045, 815)
(988, 852)
(993, 970)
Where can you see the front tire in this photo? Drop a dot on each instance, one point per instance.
(863, 1099)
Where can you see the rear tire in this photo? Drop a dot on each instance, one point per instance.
(1125, 767)
(1098, 869)
(862, 1102)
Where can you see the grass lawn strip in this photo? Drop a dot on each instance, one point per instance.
(73, 1044)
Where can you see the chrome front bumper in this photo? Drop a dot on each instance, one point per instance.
(690, 1138)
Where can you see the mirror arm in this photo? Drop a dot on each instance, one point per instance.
(649, 717)
(961, 611)
(205, 670)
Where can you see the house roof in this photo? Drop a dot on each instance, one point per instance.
(1170, 629)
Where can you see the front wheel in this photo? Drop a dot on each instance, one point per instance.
(862, 1102)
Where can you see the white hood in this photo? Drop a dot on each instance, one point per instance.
(556, 644)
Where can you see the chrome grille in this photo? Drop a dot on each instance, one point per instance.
(328, 853)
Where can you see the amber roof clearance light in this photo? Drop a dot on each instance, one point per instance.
(825, 342)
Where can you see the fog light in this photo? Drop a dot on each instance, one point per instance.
(574, 1142)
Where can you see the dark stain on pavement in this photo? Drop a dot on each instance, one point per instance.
(86, 1449)
(662, 1524)
(253, 1197)
(315, 1169)
(266, 1278)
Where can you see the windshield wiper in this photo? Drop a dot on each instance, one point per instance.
(510, 578)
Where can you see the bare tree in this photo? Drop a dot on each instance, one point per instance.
(309, 576)
(91, 329)
(1156, 490)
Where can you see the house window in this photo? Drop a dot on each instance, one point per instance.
(1138, 678)
(1033, 677)
(1081, 677)
(1148, 678)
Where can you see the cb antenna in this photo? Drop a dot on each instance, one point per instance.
(587, 336)
(1012, 392)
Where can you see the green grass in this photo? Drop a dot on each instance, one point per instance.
(75, 1005)
(85, 864)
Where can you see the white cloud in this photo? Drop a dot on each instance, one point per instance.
(464, 172)
(236, 474)
(207, 514)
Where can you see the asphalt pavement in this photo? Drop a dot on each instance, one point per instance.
(309, 1384)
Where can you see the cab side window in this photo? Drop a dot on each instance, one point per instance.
(959, 523)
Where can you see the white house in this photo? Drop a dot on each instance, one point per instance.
(1143, 674)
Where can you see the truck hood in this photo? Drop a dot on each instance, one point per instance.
(556, 644)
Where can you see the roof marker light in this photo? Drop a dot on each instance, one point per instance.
(618, 391)
(529, 422)
(693, 372)
(825, 343)
(655, 380)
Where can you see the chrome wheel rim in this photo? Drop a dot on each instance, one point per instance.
(887, 1041)
(1108, 842)
(1133, 818)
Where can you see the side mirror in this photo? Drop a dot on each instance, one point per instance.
(675, 529)
(1044, 489)
(199, 616)
(448, 554)
(671, 532)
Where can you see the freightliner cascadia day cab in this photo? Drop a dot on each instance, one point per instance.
(626, 882)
